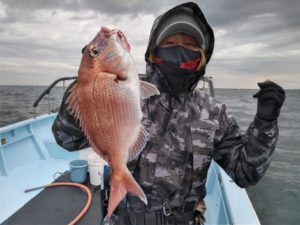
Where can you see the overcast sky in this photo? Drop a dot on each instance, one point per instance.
(41, 41)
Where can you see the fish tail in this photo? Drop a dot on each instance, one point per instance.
(119, 186)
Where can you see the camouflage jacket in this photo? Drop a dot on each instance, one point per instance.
(187, 132)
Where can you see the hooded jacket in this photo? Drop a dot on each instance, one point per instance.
(186, 132)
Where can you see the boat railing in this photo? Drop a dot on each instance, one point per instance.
(205, 84)
(47, 91)
(209, 89)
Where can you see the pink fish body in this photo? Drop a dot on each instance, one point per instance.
(106, 100)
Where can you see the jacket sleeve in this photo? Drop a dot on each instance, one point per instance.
(66, 129)
(246, 157)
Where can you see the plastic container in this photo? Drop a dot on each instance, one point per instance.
(78, 170)
(96, 167)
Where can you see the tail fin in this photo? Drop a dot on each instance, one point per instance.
(119, 186)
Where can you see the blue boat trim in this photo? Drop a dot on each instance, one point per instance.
(37, 143)
(3, 166)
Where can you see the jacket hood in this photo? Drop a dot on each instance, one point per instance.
(199, 17)
(154, 75)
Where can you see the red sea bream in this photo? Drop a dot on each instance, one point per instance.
(106, 100)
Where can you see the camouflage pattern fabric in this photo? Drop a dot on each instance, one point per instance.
(186, 133)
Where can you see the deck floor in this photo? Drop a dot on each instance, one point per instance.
(35, 174)
(42, 172)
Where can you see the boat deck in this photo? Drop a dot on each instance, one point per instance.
(29, 176)
(29, 157)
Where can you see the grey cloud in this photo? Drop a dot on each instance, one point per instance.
(275, 24)
(246, 67)
(104, 6)
(228, 12)
(245, 21)
(37, 51)
(219, 13)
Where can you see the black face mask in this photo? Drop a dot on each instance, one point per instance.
(177, 57)
(179, 80)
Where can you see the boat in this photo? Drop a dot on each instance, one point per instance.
(30, 157)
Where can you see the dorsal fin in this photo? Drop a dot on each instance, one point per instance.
(148, 90)
(139, 145)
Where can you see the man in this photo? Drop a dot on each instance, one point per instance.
(187, 128)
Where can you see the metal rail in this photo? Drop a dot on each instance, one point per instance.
(205, 80)
(208, 80)
(47, 91)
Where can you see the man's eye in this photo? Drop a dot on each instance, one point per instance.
(191, 44)
(169, 42)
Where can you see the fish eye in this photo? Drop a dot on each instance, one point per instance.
(94, 52)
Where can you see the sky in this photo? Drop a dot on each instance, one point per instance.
(255, 40)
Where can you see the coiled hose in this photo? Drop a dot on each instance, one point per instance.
(81, 186)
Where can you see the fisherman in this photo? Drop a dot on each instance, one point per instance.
(188, 129)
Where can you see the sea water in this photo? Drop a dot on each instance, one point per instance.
(276, 198)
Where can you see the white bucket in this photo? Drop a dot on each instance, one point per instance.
(96, 169)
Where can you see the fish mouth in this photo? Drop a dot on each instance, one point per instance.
(108, 46)
(108, 34)
(101, 42)
(105, 30)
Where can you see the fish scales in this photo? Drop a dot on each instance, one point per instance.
(118, 112)
(106, 100)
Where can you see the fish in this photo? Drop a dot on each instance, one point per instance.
(106, 100)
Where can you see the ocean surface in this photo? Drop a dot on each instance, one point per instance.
(276, 198)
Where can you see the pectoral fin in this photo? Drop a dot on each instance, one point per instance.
(148, 90)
